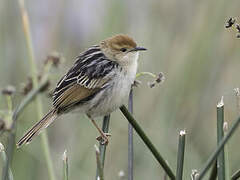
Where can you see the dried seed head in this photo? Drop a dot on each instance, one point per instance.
(55, 58)
(29, 85)
(237, 28)
(231, 21)
(9, 90)
(159, 79)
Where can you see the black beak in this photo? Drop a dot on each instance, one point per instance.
(138, 49)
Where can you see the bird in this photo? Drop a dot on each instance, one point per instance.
(97, 84)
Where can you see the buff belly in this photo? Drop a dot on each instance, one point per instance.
(109, 99)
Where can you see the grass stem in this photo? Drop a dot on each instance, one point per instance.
(180, 157)
(102, 148)
(33, 68)
(147, 142)
(65, 165)
(236, 175)
(221, 144)
(220, 135)
(130, 138)
(12, 134)
(5, 160)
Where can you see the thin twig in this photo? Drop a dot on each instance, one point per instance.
(180, 158)
(147, 142)
(214, 155)
(33, 68)
(12, 133)
(130, 139)
(65, 165)
(99, 164)
(220, 135)
(102, 148)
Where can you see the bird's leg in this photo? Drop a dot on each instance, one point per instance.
(103, 138)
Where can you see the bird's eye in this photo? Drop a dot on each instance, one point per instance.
(123, 49)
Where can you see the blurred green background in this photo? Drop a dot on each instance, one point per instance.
(186, 40)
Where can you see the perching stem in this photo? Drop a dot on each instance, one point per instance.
(147, 142)
(130, 138)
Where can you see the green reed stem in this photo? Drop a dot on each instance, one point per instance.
(130, 138)
(65, 165)
(180, 157)
(220, 135)
(12, 134)
(236, 175)
(102, 148)
(33, 68)
(147, 142)
(221, 144)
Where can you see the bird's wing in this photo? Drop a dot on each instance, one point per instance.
(91, 73)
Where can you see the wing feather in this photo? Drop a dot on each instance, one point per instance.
(91, 72)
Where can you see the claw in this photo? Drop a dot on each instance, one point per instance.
(103, 139)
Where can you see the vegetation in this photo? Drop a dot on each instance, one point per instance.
(186, 41)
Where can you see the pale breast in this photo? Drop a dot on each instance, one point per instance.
(116, 94)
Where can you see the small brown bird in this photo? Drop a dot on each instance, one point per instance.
(97, 84)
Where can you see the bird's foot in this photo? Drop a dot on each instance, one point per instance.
(103, 138)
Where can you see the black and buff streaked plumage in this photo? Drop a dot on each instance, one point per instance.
(91, 70)
(97, 84)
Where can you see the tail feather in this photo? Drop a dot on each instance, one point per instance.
(37, 128)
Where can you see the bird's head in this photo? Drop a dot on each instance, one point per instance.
(121, 48)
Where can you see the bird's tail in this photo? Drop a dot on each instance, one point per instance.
(38, 127)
